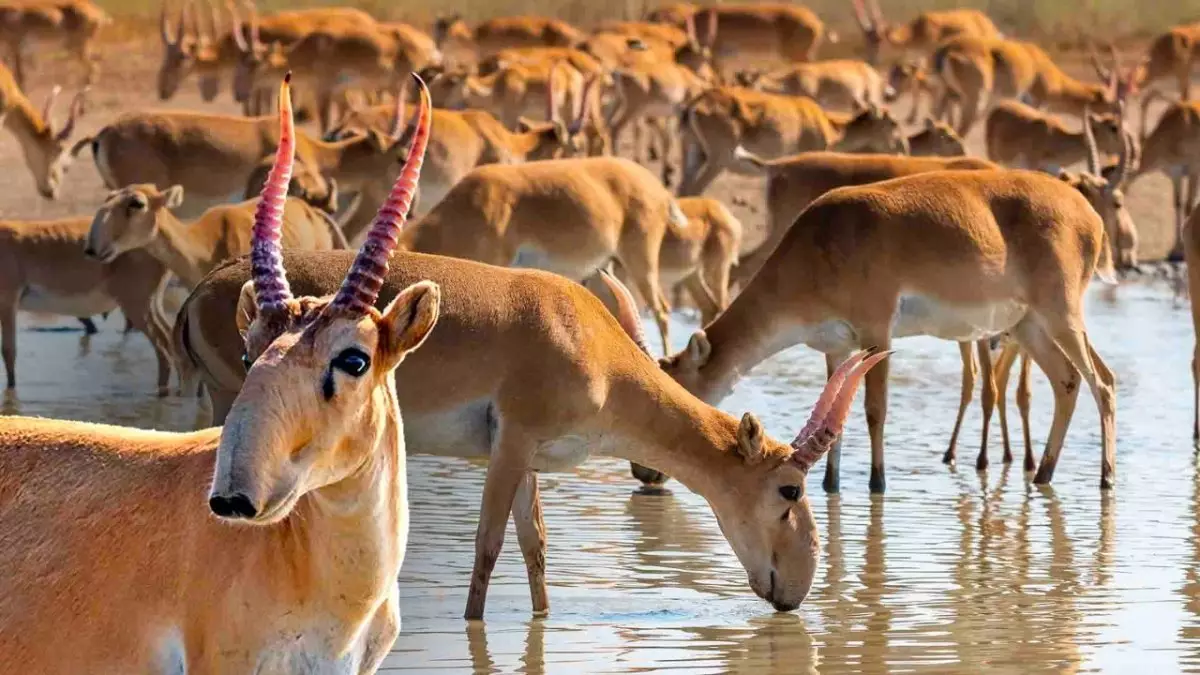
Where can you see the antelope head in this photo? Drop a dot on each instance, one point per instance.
(761, 505)
(874, 28)
(902, 76)
(319, 390)
(179, 50)
(873, 129)
(693, 54)
(129, 219)
(253, 54)
(937, 139)
(47, 152)
(450, 27)
(1102, 187)
(1119, 84)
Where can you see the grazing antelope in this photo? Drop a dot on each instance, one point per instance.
(1171, 54)
(527, 89)
(214, 156)
(659, 91)
(74, 24)
(208, 54)
(720, 120)
(459, 141)
(796, 181)
(923, 33)
(960, 255)
(1021, 136)
(1172, 147)
(758, 32)
(568, 216)
(1056, 91)
(974, 71)
(321, 380)
(936, 139)
(451, 33)
(44, 148)
(702, 255)
(842, 83)
(139, 217)
(43, 269)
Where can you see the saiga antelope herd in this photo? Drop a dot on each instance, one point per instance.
(873, 232)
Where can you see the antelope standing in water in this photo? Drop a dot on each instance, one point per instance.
(298, 570)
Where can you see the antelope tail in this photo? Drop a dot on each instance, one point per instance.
(1105, 270)
(744, 155)
(85, 142)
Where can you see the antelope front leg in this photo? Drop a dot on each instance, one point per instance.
(8, 339)
(989, 399)
(1003, 370)
(1024, 396)
(531, 535)
(507, 469)
(877, 389)
(964, 399)
(833, 459)
(381, 634)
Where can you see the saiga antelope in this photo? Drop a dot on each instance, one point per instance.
(936, 139)
(1021, 136)
(528, 89)
(758, 32)
(1172, 148)
(568, 216)
(702, 255)
(717, 122)
(45, 149)
(214, 156)
(43, 269)
(451, 33)
(610, 399)
(1171, 54)
(960, 255)
(911, 77)
(139, 217)
(661, 91)
(841, 83)
(459, 141)
(923, 33)
(208, 54)
(74, 24)
(321, 381)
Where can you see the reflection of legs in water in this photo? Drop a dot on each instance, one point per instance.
(533, 661)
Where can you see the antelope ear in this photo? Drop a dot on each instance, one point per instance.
(698, 350)
(407, 320)
(247, 309)
(750, 439)
(173, 197)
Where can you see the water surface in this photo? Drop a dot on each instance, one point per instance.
(949, 567)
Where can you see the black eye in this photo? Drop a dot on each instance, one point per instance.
(790, 492)
(246, 362)
(137, 204)
(352, 362)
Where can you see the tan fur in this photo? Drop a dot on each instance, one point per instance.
(1171, 54)
(1172, 148)
(603, 387)
(923, 33)
(959, 238)
(214, 156)
(795, 182)
(139, 217)
(459, 141)
(513, 91)
(71, 493)
(912, 78)
(569, 216)
(451, 33)
(771, 125)
(841, 83)
(702, 255)
(43, 262)
(43, 147)
(674, 13)
(656, 90)
(937, 139)
(28, 26)
(758, 32)
(1020, 136)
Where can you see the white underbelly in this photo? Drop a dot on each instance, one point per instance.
(921, 315)
(577, 269)
(38, 299)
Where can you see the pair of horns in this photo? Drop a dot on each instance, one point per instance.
(868, 20)
(360, 289)
(829, 415)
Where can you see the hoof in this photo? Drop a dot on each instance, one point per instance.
(1107, 482)
(1043, 477)
(948, 458)
(878, 482)
(981, 464)
(832, 484)
(649, 477)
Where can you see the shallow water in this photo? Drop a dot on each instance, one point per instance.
(950, 570)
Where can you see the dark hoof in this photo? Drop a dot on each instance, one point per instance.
(1175, 256)
(878, 482)
(648, 476)
(1030, 465)
(1008, 458)
(1107, 482)
(948, 458)
(981, 464)
(831, 484)
(1043, 476)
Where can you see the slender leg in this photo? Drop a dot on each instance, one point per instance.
(702, 295)
(833, 460)
(8, 339)
(1024, 396)
(1196, 392)
(989, 399)
(1176, 253)
(1002, 371)
(877, 392)
(968, 390)
(508, 467)
(1064, 380)
(531, 535)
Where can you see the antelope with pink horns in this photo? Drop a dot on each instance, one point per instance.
(297, 570)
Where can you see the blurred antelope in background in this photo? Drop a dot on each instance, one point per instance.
(73, 24)
(45, 149)
(920, 36)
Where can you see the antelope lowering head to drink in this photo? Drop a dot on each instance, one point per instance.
(45, 149)
(314, 440)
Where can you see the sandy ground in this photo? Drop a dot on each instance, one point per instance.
(127, 82)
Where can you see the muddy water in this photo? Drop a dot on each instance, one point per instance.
(950, 567)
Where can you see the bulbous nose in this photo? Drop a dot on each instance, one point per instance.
(236, 505)
(90, 252)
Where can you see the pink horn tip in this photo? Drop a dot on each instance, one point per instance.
(627, 313)
(360, 290)
(828, 395)
(266, 256)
